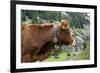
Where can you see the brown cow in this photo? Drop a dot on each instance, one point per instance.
(37, 40)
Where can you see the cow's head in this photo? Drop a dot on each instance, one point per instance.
(65, 33)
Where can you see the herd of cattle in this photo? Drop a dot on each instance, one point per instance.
(38, 40)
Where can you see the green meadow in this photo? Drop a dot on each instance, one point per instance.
(65, 56)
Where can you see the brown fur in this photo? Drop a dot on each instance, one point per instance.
(35, 41)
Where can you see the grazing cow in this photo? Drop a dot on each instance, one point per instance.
(37, 40)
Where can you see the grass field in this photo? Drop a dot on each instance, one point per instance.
(65, 56)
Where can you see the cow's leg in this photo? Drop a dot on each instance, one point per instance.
(30, 55)
(35, 52)
(44, 56)
(34, 58)
(26, 58)
(30, 58)
(44, 52)
(40, 57)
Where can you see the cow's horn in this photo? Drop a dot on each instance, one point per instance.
(64, 24)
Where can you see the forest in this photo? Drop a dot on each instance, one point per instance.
(79, 22)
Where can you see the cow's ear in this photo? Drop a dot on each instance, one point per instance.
(64, 24)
